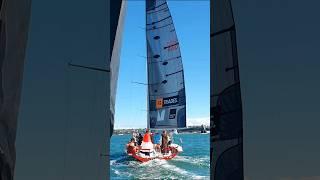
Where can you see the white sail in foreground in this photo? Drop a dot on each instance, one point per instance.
(226, 109)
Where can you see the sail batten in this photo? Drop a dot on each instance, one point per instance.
(166, 90)
(158, 10)
(160, 27)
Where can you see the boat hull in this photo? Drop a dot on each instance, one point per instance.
(173, 150)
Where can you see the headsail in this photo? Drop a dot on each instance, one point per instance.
(166, 88)
(118, 10)
(14, 28)
(226, 109)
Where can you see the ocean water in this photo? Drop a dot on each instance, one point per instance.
(192, 163)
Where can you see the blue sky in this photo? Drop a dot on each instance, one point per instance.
(192, 23)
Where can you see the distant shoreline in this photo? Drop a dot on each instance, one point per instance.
(188, 130)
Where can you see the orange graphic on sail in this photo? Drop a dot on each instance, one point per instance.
(159, 103)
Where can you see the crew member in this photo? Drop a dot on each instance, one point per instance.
(157, 142)
(170, 138)
(140, 138)
(131, 148)
(146, 145)
(164, 144)
(134, 135)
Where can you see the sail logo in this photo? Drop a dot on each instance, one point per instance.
(172, 114)
(159, 103)
(161, 115)
(168, 101)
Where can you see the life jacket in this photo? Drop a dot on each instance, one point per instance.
(146, 145)
(147, 138)
(131, 149)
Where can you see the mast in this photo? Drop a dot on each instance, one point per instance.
(226, 149)
(166, 88)
(148, 98)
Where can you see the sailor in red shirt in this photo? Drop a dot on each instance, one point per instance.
(146, 145)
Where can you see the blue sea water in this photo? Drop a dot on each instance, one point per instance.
(192, 163)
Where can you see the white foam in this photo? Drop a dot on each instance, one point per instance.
(192, 160)
(117, 172)
(178, 170)
(200, 177)
(114, 161)
(147, 170)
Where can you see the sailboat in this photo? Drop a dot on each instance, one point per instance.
(226, 149)
(203, 129)
(166, 87)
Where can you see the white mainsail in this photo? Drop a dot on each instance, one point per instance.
(166, 88)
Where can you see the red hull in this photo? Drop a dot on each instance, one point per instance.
(143, 159)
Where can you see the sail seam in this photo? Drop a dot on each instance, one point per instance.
(159, 20)
(156, 7)
(227, 88)
(155, 28)
(88, 67)
(220, 156)
(158, 10)
(173, 73)
(223, 31)
(165, 93)
(171, 45)
(231, 68)
(170, 59)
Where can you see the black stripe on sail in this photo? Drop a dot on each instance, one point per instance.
(173, 58)
(231, 68)
(170, 59)
(88, 67)
(173, 73)
(156, 7)
(171, 45)
(159, 20)
(158, 10)
(155, 28)
(147, 83)
(233, 27)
